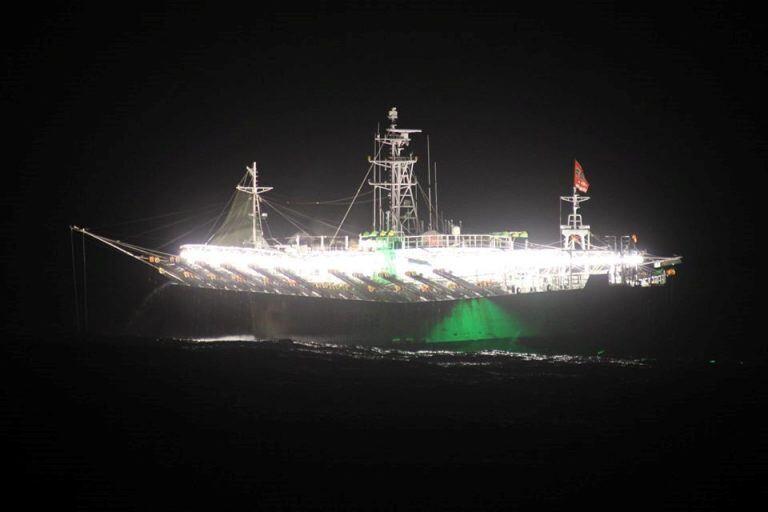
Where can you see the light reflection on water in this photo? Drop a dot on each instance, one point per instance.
(441, 358)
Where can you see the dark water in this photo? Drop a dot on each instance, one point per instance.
(107, 423)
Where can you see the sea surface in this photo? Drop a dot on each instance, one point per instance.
(103, 423)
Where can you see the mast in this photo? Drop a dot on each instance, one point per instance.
(375, 191)
(401, 214)
(429, 184)
(257, 232)
(575, 232)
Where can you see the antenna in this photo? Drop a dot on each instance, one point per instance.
(437, 211)
(393, 116)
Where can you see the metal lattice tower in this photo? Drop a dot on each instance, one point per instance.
(575, 234)
(399, 213)
(257, 232)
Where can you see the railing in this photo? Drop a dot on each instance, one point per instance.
(473, 241)
(426, 241)
(319, 243)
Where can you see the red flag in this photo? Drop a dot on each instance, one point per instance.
(579, 180)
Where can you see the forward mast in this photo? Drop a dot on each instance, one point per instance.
(257, 231)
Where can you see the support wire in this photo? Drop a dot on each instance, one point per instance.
(333, 239)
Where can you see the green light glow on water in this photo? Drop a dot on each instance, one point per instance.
(475, 320)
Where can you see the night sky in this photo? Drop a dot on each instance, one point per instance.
(115, 113)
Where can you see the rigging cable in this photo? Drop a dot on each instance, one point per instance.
(331, 202)
(311, 217)
(271, 236)
(85, 293)
(74, 278)
(333, 239)
(166, 244)
(210, 233)
(174, 223)
(138, 248)
(424, 196)
(155, 217)
(294, 222)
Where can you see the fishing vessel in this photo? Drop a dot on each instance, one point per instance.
(413, 278)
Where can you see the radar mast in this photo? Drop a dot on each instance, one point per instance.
(399, 213)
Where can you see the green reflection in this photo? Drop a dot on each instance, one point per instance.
(476, 320)
(390, 257)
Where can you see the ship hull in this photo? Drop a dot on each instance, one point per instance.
(596, 319)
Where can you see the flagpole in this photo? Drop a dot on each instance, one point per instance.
(575, 207)
(575, 162)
